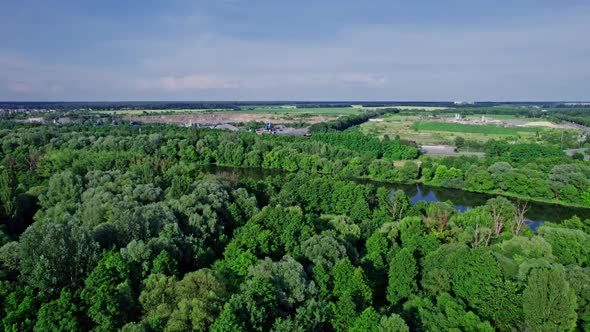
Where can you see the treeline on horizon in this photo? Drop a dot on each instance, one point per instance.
(106, 228)
(122, 105)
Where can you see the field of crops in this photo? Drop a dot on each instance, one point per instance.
(473, 129)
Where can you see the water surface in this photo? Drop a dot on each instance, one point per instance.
(462, 200)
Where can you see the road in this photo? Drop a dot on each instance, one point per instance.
(447, 150)
(572, 152)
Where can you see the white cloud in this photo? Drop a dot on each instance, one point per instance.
(188, 82)
(541, 56)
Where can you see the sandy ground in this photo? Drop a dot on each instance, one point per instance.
(544, 124)
(226, 117)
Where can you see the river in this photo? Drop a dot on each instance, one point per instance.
(462, 200)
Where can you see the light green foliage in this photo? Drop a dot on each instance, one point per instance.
(158, 299)
(502, 212)
(398, 204)
(368, 321)
(56, 255)
(10, 257)
(437, 218)
(448, 177)
(413, 236)
(323, 250)
(480, 180)
(549, 303)
(393, 323)
(570, 246)
(521, 248)
(64, 189)
(519, 254)
(465, 128)
(199, 298)
(140, 223)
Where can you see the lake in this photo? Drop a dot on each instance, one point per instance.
(462, 200)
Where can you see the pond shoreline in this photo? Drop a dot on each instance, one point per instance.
(539, 211)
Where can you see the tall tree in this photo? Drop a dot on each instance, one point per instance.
(402, 277)
(549, 303)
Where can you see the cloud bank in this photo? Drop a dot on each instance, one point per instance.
(541, 56)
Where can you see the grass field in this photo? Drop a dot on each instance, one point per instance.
(410, 108)
(472, 129)
(503, 117)
(421, 131)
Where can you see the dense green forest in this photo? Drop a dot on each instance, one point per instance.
(106, 228)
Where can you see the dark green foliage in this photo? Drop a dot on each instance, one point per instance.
(520, 152)
(349, 121)
(62, 314)
(579, 280)
(20, 306)
(445, 314)
(393, 150)
(9, 192)
(108, 294)
(402, 276)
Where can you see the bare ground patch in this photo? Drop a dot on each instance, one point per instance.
(227, 117)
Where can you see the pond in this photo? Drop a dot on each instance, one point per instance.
(462, 200)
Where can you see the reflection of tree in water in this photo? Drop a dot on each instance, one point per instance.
(464, 200)
(459, 197)
(418, 192)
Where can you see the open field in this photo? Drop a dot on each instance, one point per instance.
(332, 111)
(227, 117)
(501, 117)
(311, 111)
(423, 131)
(407, 108)
(156, 111)
(469, 128)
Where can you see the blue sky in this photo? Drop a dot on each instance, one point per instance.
(294, 50)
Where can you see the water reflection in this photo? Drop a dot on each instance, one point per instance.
(462, 200)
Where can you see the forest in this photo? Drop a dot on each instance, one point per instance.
(107, 228)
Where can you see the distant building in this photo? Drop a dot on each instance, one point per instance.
(227, 126)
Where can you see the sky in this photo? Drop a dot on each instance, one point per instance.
(379, 50)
